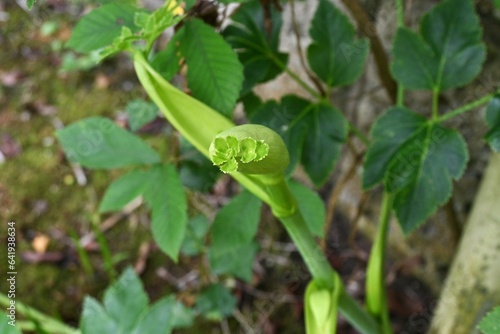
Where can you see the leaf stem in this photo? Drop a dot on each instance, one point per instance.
(400, 10)
(376, 294)
(401, 23)
(467, 107)
(357, 132)
(322, 271)
(301, 82)
(296, 29)
(294, 76)
(46, 322)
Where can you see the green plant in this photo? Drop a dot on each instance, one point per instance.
(414, 157)
(491, 322)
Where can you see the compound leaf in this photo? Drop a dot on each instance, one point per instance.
(447, 53)
(125, 300)
(493, 121)
(101, 26)
(234, 229)
(417, 161)
(257, 46)
(167, 200)
(335, 55)
(313, 133)
(214, 72)
(97, 142)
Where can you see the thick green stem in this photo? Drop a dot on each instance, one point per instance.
(322, 271)
(315, 259)
(376, 294)
(47, 323)
(200, 124)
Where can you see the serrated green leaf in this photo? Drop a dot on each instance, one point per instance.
(311, 206)
(125, 301)
(493, 121)
(124, 189)
(167, 61)
(313, 133)
(101, 26)
(214, 72)
(335, 55)
(5, 327)
(167, 200)
(257, 48)
(417, 161)
(233, 231)
(166, 314)
(95, 319)
(216, 302)
(447, 53)
(140, 113)
(394, 127)
(490, 324)
(97, 142)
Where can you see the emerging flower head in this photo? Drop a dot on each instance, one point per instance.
(251, 149)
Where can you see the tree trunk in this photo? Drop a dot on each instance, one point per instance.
(473, 284)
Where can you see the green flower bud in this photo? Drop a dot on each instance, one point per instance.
(250, 149)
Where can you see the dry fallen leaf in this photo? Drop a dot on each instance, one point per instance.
(40, 243)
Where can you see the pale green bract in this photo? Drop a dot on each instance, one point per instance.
(251, 149)
(229, 152)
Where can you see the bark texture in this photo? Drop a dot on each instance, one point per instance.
(473, 284)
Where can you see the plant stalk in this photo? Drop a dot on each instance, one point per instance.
(48, 323)
(316, 261)
(376, 294)
(401, 23)
(200, 124)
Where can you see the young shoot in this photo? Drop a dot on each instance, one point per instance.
(250, 149)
